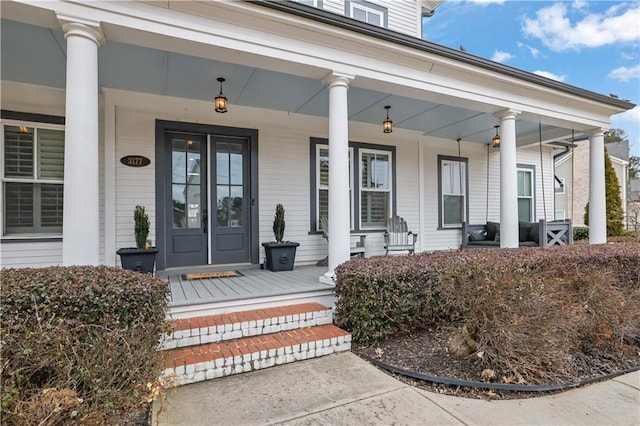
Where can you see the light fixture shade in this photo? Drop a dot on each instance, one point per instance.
(496, 139)
(387, 124)
(221, 99)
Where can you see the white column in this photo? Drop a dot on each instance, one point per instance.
(597, 191)
(339, 213)
(81, 235)
(508, 179)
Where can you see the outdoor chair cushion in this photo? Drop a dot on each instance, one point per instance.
(492, 228)
(479, 235)
(524, 231)
(534, 233)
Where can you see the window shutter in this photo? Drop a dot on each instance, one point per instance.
(51, 198)
(18, 151)
(51, 154)
(18, 205)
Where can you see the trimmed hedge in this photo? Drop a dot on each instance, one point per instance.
(79, 344)
(527, 308)
(580, 233)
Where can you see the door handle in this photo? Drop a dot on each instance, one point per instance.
(205, 221)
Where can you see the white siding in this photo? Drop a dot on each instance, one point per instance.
(402, 14)
(50, 101)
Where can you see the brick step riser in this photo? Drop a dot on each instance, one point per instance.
(223, 367)
(237, 330)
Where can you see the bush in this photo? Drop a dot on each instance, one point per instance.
(79, 344)
(532, 311)
(580, 233)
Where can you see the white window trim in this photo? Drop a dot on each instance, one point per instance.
(36, 125)
(563, 187)
(367, 10)
(463, 184)
(389, 180)
(319, 187)
(533, 189)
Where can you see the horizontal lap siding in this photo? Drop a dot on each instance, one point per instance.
(135, 135)
(34, 99)
(402, 14)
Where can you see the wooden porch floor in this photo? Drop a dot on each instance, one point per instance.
(255, 283)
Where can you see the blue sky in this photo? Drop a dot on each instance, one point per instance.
(592, 44)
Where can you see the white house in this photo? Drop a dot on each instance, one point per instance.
(106, 86)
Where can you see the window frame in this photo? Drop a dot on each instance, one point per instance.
(529, 168)
(354, 150)
(313, 3)
(363, 190)
(454, 159)
(37, 122)
(555, 215)
(367, 7)
(319, 188)
(563, 186)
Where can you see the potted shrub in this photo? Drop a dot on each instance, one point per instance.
(280, 254)
(141, 258)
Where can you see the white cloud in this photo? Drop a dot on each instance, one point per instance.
(628, 56)
(534, 52)
(625, 74)
(500, 56)
(550, 75)
(554, 28)
(579, 4)
(631, 116)
(486, 2)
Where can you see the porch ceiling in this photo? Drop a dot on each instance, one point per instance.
(25, 48)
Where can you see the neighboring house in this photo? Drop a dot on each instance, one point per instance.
(572, 179)
(307, 85)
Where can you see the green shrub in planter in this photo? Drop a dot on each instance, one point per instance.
(86, 337)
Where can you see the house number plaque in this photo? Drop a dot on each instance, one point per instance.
(135, 161)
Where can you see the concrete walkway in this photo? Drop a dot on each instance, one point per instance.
(343, 389)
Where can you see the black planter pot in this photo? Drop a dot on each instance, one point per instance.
(139, 260)
(280, 257)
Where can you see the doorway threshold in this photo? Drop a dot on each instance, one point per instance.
(179, 270)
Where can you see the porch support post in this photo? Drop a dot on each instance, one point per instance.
(339, 213)
(597, 189)
(508, 179)
(81, 224)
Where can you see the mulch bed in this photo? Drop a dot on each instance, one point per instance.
(425, 352)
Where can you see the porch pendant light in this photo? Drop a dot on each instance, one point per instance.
(496, 139)
(387, 124)
(221, 99)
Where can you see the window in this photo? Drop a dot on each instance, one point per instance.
(371, 184)
(559, 185)
(366, 12)
(322, 179)
(452, 179)
(559, 215)
(375, 192)
(32, 180)
(525, 194)
(314, 3)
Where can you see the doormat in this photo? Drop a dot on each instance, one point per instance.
(212, 274)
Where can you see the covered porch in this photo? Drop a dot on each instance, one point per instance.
(251, 289)
(304, 104)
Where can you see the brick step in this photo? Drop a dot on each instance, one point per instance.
(236, 325)
(211, 360)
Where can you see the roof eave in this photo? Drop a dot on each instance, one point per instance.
(343, 22)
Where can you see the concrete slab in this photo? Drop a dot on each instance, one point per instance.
(605, 403)
(277, 394)
(398, 407)
(343, 389)
(631, 379)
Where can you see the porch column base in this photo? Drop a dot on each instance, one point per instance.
(328, 278)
